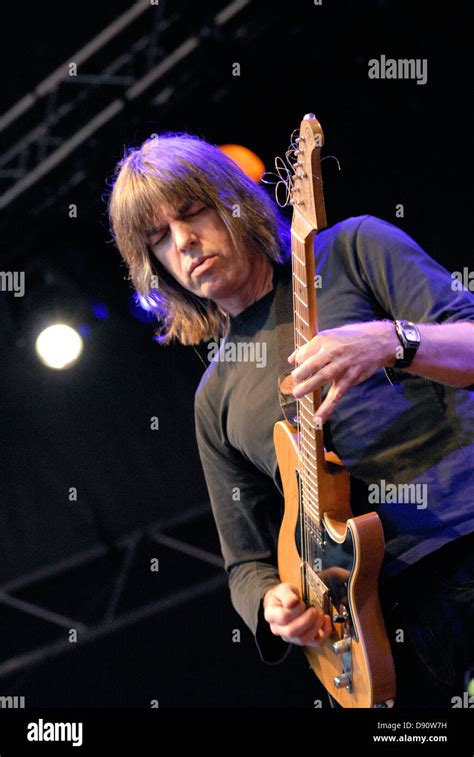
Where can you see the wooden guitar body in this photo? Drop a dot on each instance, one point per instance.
(340, 576)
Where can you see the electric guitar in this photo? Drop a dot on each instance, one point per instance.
(332, 557)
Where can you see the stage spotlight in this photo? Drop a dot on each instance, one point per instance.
(246, 159)
(57, 319)
(59, 346)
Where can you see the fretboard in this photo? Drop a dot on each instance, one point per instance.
(310, 441)
(309, 216)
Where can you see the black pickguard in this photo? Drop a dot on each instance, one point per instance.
(332, 562)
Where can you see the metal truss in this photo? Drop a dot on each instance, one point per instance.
(120, 64)
(111, 620)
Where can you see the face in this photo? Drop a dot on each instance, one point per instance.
(194, 245)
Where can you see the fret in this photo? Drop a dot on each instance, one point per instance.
(301, 318)
(307, 399)
(315, 520)
(294, 257)
(312, 522)
(304, 411)
(307, 426)
(309, 487)
(299, 280)
(308, 475)
(304, 304)
(309, 458)
(310, 495)
(302, 336)
(310, 498)
(308, 435)
(309, 470)
(314, 516)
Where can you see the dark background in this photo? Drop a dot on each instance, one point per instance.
(89, 427)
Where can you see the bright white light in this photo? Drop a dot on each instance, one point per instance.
(59, 346)
(144, 302)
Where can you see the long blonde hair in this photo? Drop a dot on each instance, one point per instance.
(167, 170)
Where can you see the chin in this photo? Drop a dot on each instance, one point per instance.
(212, 289)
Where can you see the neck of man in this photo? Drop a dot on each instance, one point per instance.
(257, 284)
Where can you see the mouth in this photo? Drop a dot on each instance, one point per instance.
(201, 264)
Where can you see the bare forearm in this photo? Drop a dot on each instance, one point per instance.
(350, 354)
(445, 354)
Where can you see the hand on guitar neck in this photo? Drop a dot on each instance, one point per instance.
(290, 618)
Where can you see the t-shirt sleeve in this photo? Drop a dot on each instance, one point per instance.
(403, 278)
(245, 510)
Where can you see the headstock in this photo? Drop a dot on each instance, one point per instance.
(298, 177)
(307, 185)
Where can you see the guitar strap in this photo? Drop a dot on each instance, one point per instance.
(285, 339)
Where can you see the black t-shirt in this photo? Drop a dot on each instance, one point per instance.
(423, 437)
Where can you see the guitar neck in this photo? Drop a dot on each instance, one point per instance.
(308, 217)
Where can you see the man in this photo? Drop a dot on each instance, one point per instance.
(209, 250)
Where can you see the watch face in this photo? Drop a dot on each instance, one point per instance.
(411, 335)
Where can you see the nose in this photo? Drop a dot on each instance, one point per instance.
(184, 236)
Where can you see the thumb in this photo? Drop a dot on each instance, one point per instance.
(289, 595)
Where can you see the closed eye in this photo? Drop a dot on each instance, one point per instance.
(166, 230)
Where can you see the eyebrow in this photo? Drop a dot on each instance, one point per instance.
(181, 210)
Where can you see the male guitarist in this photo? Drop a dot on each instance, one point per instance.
(209, 249)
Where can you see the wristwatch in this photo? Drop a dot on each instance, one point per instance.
(410, 338)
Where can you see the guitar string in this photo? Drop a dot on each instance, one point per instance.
(302, 441)
(291, 151)
(301, 499)
(307, 488)
(302, 275)
(303, 488)
(307, 439)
